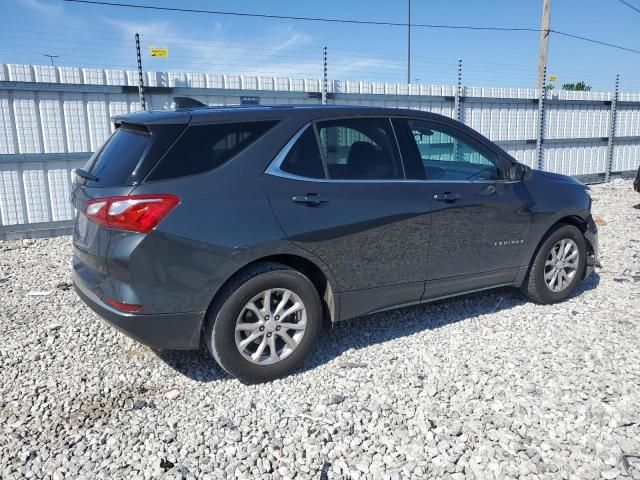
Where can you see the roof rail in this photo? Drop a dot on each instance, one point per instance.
(187, 102)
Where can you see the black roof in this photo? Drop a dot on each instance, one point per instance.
(296, 115)
(303, 112)
(307, 112)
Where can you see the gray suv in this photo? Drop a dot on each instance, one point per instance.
(242, 228)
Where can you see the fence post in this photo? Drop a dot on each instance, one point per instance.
(540, 137)
(458, 96)
(324, 76)
(143, 103)
(612, 130)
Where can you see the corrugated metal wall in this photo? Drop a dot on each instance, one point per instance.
(52, 118)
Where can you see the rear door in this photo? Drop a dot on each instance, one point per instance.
(481, 218)
(120, 164)
(339, 191)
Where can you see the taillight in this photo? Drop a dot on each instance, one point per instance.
(124, 307)
(135, 213)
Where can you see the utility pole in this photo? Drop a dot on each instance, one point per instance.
(544, 42)
(51, 57)
(409, 46)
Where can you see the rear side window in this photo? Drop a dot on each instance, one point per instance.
(205, 147)
(360, 149)
(117, 160)
(304, 158)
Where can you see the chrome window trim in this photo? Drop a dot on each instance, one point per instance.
(275, 170)
(276, 163)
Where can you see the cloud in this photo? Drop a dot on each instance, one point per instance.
(146, 28)
(289, 39)
(276, 53)
(288, 54)
(282, 52)
(279, 52)
(46, 8)
(218, 48)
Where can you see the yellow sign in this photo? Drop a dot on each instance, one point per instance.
(159, 52)
(553, 78)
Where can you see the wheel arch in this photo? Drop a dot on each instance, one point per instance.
(321, 279)
(575, 220)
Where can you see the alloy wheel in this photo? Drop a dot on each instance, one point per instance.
(561, 265)
(270, 326)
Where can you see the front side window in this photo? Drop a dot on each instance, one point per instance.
(359, 149)
(447, 155)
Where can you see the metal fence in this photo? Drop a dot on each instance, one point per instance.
(53, 118)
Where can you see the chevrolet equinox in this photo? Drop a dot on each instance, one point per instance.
(242, 228)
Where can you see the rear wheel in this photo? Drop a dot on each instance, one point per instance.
(265, 324)
(558, 266)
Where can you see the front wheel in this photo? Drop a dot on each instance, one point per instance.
(558, 266)
(265, 324)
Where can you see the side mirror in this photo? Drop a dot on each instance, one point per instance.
(519, 171)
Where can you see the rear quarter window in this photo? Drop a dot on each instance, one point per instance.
(202, 148)
(304, 158)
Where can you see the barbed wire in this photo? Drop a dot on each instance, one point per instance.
(275, 58)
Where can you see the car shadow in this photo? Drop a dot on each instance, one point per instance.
(198, 365)
(637, 207)
(372, 329)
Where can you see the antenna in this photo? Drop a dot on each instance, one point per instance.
(187, 102)
(51, 57)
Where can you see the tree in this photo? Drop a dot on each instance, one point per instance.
(578, 87)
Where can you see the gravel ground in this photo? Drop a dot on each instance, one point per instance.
(484, 386)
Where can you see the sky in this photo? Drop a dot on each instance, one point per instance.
(103, 37)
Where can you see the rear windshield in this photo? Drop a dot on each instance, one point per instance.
(118, 159)
(204, 147)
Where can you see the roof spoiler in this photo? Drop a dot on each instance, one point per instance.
(187, 102)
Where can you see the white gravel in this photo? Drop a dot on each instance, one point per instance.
(484, 386)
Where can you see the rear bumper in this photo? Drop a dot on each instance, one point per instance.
(593, 257)
(174, 331)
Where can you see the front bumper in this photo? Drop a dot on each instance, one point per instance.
(593, 255)
(174, 331)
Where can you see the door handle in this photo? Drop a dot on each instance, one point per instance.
(447, 197)
(310, 199)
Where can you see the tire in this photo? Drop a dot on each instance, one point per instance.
(535, 286)
(249, 287)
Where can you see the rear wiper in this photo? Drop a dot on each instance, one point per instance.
(84, 174)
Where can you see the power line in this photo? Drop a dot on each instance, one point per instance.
(309, 19)
(630, 6)
(598, 42)
(349, 20)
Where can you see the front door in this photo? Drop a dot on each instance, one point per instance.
(481, 219)
(341, 194)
